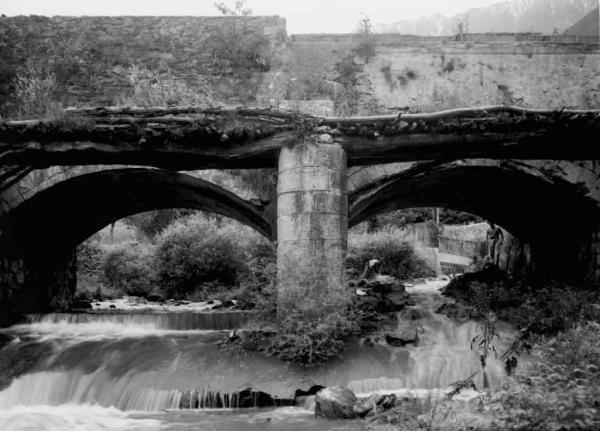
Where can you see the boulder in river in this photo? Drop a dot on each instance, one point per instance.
(402, 338)
(335, 402)
(249, 398)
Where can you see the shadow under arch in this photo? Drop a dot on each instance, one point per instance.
(555, 218)
(71, 211)
(46, 229)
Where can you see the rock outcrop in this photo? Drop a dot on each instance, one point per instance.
(335, 402)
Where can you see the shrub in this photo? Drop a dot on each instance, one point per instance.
(129, 269)
(398, 258)
(310, 342)
(192, 252)
(237, 45)
(547, 310)
(366, 44)
(257, 288)
(90, 258)
(34, 91)
(560, 391)
(151, 223)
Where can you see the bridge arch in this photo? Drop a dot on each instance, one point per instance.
(555, 218)
(41, 234)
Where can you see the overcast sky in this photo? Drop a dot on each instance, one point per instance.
(303, 16)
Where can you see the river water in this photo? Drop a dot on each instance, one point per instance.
(136, 371)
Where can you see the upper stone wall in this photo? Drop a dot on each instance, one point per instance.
(95, 60)
(398, 38)
(91, 56)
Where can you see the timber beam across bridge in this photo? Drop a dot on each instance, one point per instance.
(189, 138)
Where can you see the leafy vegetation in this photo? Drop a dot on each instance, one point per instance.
(559, 391)
(194, 256)
(366, 45)
(152, 223)
(311, 341)
(544, 310)
(236, 45)
(398, 258)
(34, 92)
(129, 269)
(402, 218)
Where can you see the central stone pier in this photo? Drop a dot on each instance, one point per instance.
(312, 227)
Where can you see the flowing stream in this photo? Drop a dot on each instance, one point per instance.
(167, 371)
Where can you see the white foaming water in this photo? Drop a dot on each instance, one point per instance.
(109, 364)
(134, 303)
(75, 387)
(96, 331)
(442, 355)
(73, 417)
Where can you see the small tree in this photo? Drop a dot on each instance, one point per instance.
(237, 44)
(366, 44)
(237, 9)
(462, 28)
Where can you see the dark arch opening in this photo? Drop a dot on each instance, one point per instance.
(555, 218)
(49, 226)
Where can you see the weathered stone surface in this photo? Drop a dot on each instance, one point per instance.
(311, 222)
(335, 402)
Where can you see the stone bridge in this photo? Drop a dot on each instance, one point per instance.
(532, 171)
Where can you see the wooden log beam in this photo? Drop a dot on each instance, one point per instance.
(262, 154)
(244, 138)
(542, 144)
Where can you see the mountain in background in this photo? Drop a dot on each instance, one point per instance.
(539, 16)
(589, 25)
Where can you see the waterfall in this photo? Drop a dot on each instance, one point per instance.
(215, 320)
(153, 362)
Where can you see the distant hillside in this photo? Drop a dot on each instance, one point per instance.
(588, 25)
(545, 16)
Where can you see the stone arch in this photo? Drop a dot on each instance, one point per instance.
(555, 217)
(39, 236)
(42, 179)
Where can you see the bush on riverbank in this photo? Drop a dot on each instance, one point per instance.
(194, 258)
(544, 310)
(398, 257)
(199, 257)
(560, 390)
(129, 269)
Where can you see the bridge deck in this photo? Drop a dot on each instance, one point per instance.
(186, 138)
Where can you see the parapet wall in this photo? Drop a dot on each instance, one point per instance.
(97, 59)
(397, 38)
